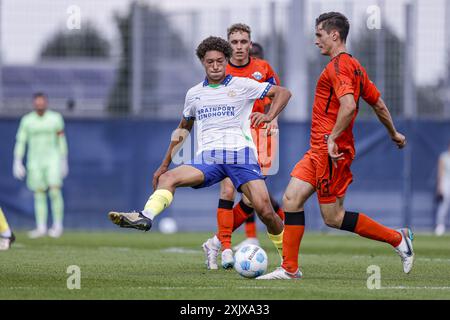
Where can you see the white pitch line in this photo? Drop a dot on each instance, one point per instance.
(207, 288)
(180, 250)
(27, 288)
(279, 288)
(240, 287)
(271, 288)
(114, 248)
(18, 245)
(179, 288)
(417, 259)
(434, 259)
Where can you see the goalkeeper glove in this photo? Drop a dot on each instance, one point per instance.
(19, 170)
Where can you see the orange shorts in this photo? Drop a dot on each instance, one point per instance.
(266, 147)
(317, 169)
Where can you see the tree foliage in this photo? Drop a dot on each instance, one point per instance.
(85, 42)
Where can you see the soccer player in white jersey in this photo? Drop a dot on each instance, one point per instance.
(221, 105)
(443, 190)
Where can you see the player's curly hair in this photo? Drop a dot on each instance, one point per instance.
(239, 27)
(214, 43)
(336, 21)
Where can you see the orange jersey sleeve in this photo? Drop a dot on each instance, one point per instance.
(272, 77)
(370, 92)
(349, 77)
(266, 75)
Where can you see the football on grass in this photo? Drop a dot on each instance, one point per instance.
(250, 261)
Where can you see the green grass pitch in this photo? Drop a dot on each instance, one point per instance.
(136, 265)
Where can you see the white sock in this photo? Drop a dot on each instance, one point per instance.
(57, 225)
(6, 234)
(148, 213)
(216, 241)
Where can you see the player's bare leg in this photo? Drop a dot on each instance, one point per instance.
(183, 176)
(295, 196)
(335, 216)
(249, 221)
(241, 212)
(244, 213)
(256, 191)
(229, 218)
(333, 213)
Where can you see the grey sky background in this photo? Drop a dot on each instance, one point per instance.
(26, 24)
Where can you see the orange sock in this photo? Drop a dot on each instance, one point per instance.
(250, 226)
(364, 226)
(294, 227)
(276, 207)
(241, 212)
(281, 214)
(225, 222)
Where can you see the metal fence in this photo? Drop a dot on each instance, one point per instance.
(136, 58)
(112, 164)
(111, 58)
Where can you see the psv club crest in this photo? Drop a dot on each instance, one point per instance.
(231, 93)
(257, 75)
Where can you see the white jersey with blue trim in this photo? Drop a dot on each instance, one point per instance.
(222, 113)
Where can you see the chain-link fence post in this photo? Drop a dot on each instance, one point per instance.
(447, 61)
(380, 54)
(296, 74)
(273, 45)
(136, 60)
(409, 109)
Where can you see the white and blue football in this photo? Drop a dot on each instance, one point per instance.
(250, 261)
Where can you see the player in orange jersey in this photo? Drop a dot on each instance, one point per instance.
(230, 216)
(255, 67)
(263, 140)
(325, 168)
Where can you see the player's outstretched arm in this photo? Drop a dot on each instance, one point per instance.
(385, 118)
(280, 98)
(176, 141)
